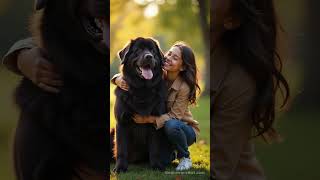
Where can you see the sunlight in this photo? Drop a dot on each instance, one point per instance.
(141, 2)
(160, 1)
(151, 10)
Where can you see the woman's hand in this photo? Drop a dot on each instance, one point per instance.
(33, 64)
(144, 119)
(121, 83)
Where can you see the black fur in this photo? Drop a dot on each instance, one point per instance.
(58, 132)
(141, 142)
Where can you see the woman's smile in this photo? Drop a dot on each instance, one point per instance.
(173, 61)
(167, 63)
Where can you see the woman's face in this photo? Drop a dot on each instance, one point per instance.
(173, 60)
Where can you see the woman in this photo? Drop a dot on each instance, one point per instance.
(246, 76)
(181, 77)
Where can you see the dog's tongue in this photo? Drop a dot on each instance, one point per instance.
(146, 73)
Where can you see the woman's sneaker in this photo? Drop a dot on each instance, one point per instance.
(184, 164)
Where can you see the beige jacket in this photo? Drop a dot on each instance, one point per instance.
(232, 151)
(178, 106)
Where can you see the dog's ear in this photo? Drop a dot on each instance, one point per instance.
(40, 4)
(124, 52)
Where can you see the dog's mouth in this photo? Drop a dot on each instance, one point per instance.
(145, 72)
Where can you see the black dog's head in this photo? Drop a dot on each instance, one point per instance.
(84, 20)
(73, 32)
(142, 58)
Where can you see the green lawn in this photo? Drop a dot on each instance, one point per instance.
(297, 157)
(200, 152)
(200, 170)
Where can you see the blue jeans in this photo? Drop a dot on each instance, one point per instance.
(180, 135)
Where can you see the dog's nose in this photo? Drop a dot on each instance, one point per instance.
(148, 56)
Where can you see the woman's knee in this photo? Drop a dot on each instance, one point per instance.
(171, 127)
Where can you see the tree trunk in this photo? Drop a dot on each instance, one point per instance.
(205, 36)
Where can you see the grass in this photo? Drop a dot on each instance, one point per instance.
(297, 157)
(200, 169)
(199, 152)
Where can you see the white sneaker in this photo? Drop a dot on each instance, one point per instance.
(184, 164)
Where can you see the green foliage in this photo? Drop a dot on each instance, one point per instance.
(202, 114)
(177, 21)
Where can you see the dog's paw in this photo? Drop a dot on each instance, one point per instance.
(121, 166)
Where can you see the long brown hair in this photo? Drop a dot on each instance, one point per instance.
(189, 74)
(254, 45)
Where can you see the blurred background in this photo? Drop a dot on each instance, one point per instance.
(295, 159)
(297, 156)
(14, 17)
(167, 21)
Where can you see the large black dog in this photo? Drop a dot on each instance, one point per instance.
(142, 69)
(57, 133)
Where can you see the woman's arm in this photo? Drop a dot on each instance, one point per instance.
(26, 59)
(10, 59)
(118, 80)
(144, 119)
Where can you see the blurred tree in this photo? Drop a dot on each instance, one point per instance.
(188, 20)
(310, 96)
(126, 22)
(204, 11)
